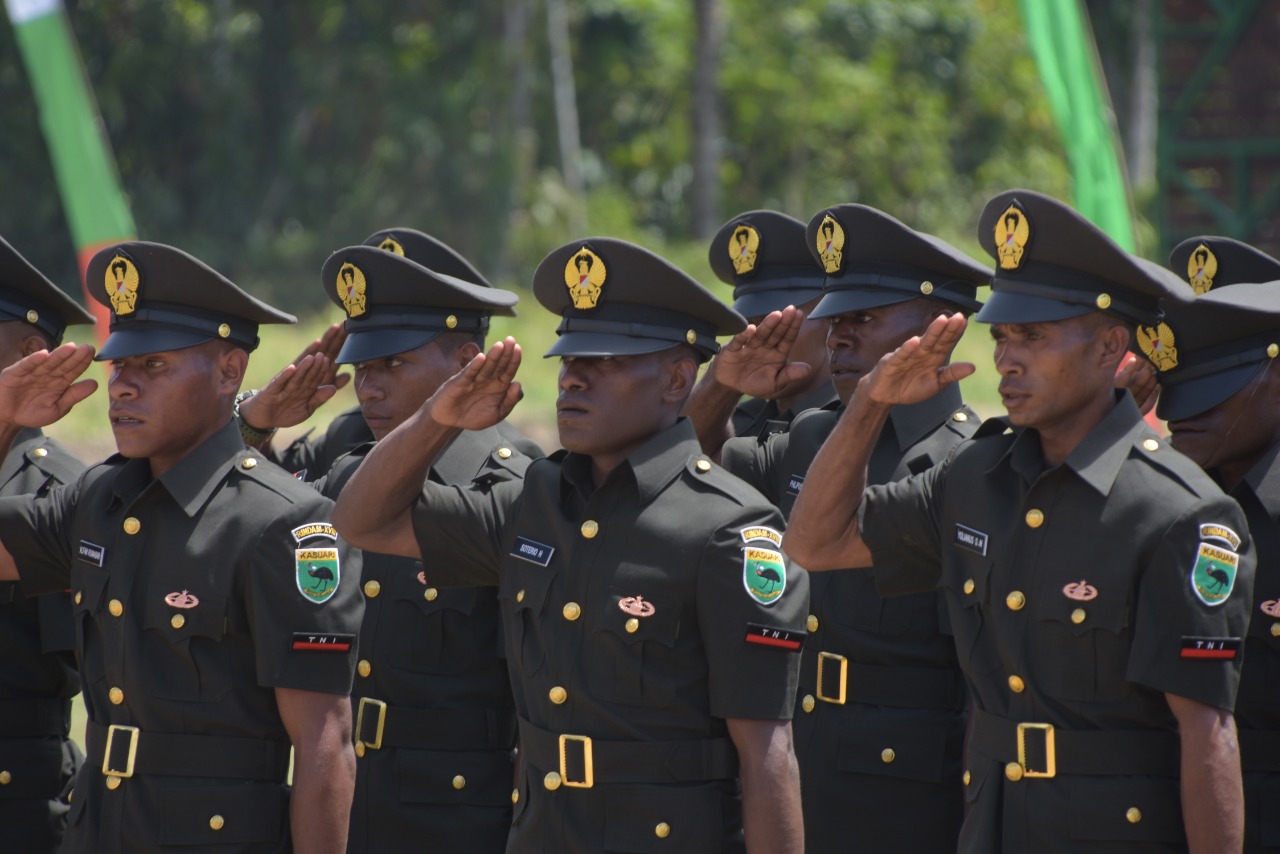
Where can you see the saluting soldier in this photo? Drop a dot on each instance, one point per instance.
(651, 622)
(1096, 580)
(300, 389)
(435, 721)
(880, 719)
(216, 609)
(38, 674)
(1220, 393)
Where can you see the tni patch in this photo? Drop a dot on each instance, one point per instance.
(1220, 649)
(1213, 576)
(786, 639)
(309, 642)
(318, 574)
(764, 575)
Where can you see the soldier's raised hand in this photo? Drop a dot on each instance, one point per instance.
(1139, 376)
(482, 393)
(921, 367)
(42, 387)
(294, 394)
(755, 361)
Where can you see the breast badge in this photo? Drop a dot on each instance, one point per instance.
(121, 282)
(636, 606)
(1011, 233)
(1080, 591)
(182, 600)
(764, 575)
(584, 276)
(1270, 607)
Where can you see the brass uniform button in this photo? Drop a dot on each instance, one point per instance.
(960, 416)
(515, 796)
(926, 288)
(571, 611)
(1013, 771)
(966, 778)
(1077, 616)
(1275, 630)
(1016, 685)
(5, 778)
(702, 466)
(33, 316)
(504, 453)
(224, 330)
(459, 782)
(632, 626)
(113, 783)
(178, 621)
(1133, 815)
(968, 586)
(1016, 600)
(1103, 301)
(1034, 518)
(79, 596)
(812, 623)
(887, 755)
(430, 594)
(691, 336)
(360, 750)
(116, 696)
(520, 595)
(663, 830)
(41, 452)
(372, 589)
(1151, 444)
(248, 463)
(558, 695)
(116, 607)
(364, 667)
(451, 321)
(552, 781)
(590, 528)
(132, 526)
(217, 822)
(808, 703)
(1273, 350)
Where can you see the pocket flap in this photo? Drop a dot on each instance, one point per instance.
(1127, 809)
(894, 748)
(635, 618)
(651, 819)
(222, 814)
(454, 777)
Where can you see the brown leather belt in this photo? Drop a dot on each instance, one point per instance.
(1043, 750)
(124, 751)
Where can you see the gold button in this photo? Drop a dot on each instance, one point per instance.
(459, 782)
(691, 336)
(33, 316)
(1275, 630)
(1013, 771)
(702, 466)
(663, 830)
(116, 696)
(41, 452)
(372, 588)
(248, 463)
(808, 703)
(632, 626)
(177, 621)
(5, 778)
(360, 749)
(515, 796)
(520, 595)
(968, 586)
(1103, 301)
(224, 330)
(1077, 616)
(887, 755)
(132, 526)
(1133, 815)
(1151, 444)
(451, 321)
(217, 822)
(79, 596)
(966, 778)
(551, 781)
(960, 416)
(926, 288)
(431, 594)
(812, 623)
(116, 607)
(1273, 350)
(504, 453)
(1016, 600)
(113, 783)
(364, 668)
(1016, 685)
(590, 528)
(1034, 518)
(571, 611)
(558, 695)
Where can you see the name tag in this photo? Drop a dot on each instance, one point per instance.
(534, 552)
(92, 553)
(794, 483)
(974, 541)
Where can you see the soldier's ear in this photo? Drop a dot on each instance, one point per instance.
(34, 343)
(682, 373)
(1113, 339)
(465, 352)
(232, 364)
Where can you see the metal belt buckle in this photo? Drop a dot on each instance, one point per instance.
(1050, 751)
(588, 762)
(823, 658)
(365, 702)
(132, 732)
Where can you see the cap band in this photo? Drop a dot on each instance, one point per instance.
(46, 319)
(155, 317)
(1065, 286)
(904, 281)
(405, 318)
(1213, 360)
(640, 330)
(774, 277)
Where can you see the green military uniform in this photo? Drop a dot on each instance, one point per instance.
(38, 674)
(436, 725)
(1078, 595)
(763, 255)
(1221, 342)
(196, 594)
(639, 614)
(879, 736)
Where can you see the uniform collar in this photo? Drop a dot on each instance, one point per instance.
(193, 478)
(913, 422)
(821, 396)
(27, 438)
(653, 465)
(1264, 480)
(465, 454)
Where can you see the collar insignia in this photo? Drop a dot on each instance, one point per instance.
(744, 248)
(1157, 342)
(831, 244)
(1202, 266)
(1012, 233)
(584, 275)
(122, 282)
(351, 287)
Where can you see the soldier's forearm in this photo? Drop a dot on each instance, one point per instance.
(710, 408)
(771, 813)
(1212, 793)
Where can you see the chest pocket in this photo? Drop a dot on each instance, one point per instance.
(186, 655)
(631, 657)
(430, 630)
(89, 588)
(966, 579)
(1080, 647)
(523, 595)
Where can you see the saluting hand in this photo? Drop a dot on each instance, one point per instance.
(41, 388)
(921, 367)
(481, 394)
(1139, 376)
(755, 361)
(295, 393)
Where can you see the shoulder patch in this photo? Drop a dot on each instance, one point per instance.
(789, 640)
(1219, 649)
(759, 533)
(1222, 533)
(1213, 575)
(317, 573)
(314, 529)
(317, 642)
(764, 574)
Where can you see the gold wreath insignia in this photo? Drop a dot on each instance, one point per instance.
(392, 245)
(1157, 342)
(584, 275)
(122, 282)
(1012, 232)
(351, 289)
(744, 248)
(1202, 266)
(831, 244)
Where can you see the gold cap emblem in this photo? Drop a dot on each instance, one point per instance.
(392, 245)
(743, 248)
(121, 283)
(1157, 342)
(831, 244)
(1202, 266)
(1012, 233)
(584, 275)
(351, 288)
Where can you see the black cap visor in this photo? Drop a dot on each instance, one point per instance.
(760, 303)
(364, 346)
(1009, 307)
(123, 343)
(1192, 397)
